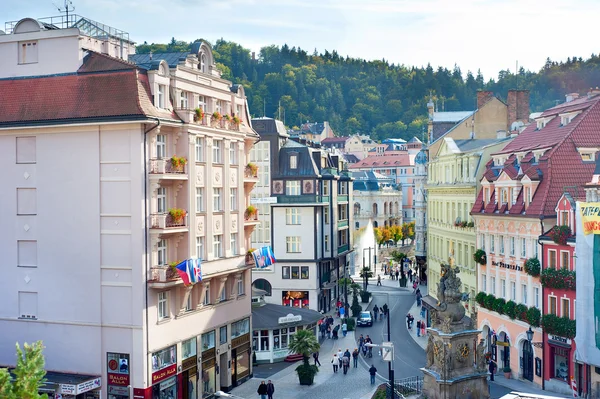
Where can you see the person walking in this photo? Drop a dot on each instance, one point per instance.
(335, 363)
(316, 357)
(397, 274)
(345, 364)
(379, 279)
(372, 372)
(375, 311)
(418, 328)
(423, 328)
(361, 342)
(423, 310)
(355, 357)
(419, 296)
(328, 331)
(340, 355)
(492, 369)
(384, 309)
(262, 390)
(344, 328)
(270, 389)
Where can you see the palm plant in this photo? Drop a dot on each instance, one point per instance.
(305, 343)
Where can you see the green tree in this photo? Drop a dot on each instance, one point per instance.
(28, 374)
(305, 343)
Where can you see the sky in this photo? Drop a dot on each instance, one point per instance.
(490, 35)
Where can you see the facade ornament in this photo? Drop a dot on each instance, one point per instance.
(430, 352)
(481, 360)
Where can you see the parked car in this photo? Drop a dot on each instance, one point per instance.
(365, 319)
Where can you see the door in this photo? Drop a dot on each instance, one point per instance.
(527, 361)
(224, 372)
(234, 367)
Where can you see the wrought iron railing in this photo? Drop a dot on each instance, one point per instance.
(409, 386)
(166, 221)
(165, 166)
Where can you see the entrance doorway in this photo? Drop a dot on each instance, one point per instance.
(527, 360)
(224, 372)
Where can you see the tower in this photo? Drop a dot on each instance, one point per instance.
(420, 179)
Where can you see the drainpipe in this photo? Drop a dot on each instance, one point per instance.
(157, 125)
(542, 312)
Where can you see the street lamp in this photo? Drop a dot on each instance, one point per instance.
(388, 356)
(529, 334)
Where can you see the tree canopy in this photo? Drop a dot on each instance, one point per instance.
(28, 374)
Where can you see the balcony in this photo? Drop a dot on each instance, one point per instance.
(249, 260)
(342, 198)
(250, 175)
(343, 248)
(168, 169)
(342, 223)
(165, 223)
(303, 199)
(251, 217)
(163, 277)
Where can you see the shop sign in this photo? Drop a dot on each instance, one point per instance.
(500, 343)
(507, 266)
(121, 391)
(164, 373)
(188, 363)
(117, 369)
(68, 389)
(208, 353)
(89, 385)
(560, 339)
(168, 383)
(240, 340)
(590, 217)
(118, 379)
(290, 318)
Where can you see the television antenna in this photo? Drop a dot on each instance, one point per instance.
(67, 6)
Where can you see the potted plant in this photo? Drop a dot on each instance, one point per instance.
(560, 234)
(198, 115)
(215, 118)
(178, 162)
(227, 117)
(252, 169)
(507, 372)
(480, 257)
(364, 296)
(305, 343)
(251, 211)
(236, 120)
(177, 214)
(532, 267)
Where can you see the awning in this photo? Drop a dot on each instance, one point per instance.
(267, 317)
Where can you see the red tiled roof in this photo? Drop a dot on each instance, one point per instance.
(478, 205)
(121, 93)
(96, 62)
(491, 206)
(332, 140)
(373, 161)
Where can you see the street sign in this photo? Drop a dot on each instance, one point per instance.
(387, 351)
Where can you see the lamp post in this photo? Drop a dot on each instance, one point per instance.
(389, 347)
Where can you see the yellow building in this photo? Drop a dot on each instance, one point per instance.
(453, 179)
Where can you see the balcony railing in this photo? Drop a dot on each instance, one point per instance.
(163, 274)
(342, 198)
(251, 217)
(166, 221)
(249, 260)
(250, 173)
(342, 223)
(343, 248)
(302, 199)
(165, 166)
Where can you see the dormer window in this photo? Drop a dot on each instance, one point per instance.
(183, 100)
(565, 119)
(504, 198)
(587, 154)
(160, 98)
(563, 218)
(542, 122)
(203, 63)
(293, 161)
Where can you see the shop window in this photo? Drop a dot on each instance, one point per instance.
(260, 340)
(296, 299)
(164, 358)
(304, 272)
(295, 272)
(188, 348)
(208, 340)
(240, 328)
(560, 363)
(209, 380)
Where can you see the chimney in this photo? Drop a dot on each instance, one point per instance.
(483, 97)
(571, 96)
(517, 106)
(501, 134)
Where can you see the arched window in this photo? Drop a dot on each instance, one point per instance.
(203, 63)
(356, 209)
(262, 284)
(374, 209)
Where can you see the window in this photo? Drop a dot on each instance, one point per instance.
(524, 294)
(503, 288)
(161, 146)
(325, 188)
(200, 247)
(240, 328)
(188, 304)
(535, 248)
(492, 244)
(292, 187)
(536, 297)
(217, 151)
(292, 244)
(199, 199)
(523, 248)
(160, 102)
(292, 216)
(27, 253)
(202, 65)
(234, 244)
(199, 149)
(224, 292)
(161, 200)
(218, 246)
(482, 240)
(565, 310)
(206, 300)
(222, 335)
(512, 246)
(285, 273)
(240, 285)
(183, 100)
(208, 340)
(484, 283)
(293, 161)
(233, 199)
(26, 150)
(162, 252)
(513, 290)
(217, 203)
(501, 238)
(552, 258)
(163, 305)
(188, 348)
(564, 259)
(233, 154)
(552, 305)
(304, 272)
(164, 358)
(326, 243)
(28, 52)
(28, 305)
(493, 281)
(559, 358)
(563, 218)
(326, 214)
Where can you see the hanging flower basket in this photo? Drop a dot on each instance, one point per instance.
(480, 257)
(560, 234)
(532, 267)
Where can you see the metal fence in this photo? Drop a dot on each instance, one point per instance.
(409, 386)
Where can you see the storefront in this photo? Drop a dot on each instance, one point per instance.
(71, 386)
(164, 373)
(209, 364)
(117, 374)
(296, 299)
(189, 369)
(559, 365)
(240, 351)
(273, 326)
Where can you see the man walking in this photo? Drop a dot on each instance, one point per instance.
(345, 363)
(418, 328)
(262, 390)
(316, 357)
(375, 312)
(344, 329)
(492, 369)
(355, 357)
(270, 389)
(372, 372)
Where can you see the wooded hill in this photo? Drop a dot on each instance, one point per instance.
(376, 97)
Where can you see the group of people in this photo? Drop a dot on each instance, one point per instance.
(364, 348)
(383, 311)
(327, 329)
(266, 390)
(341, 360)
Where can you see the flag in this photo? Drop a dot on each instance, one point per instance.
(264, 257)
(183, 271)
(198, 269)
(191, 271)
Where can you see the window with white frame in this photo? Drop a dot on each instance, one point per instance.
(233, 199)
(163, 305)
(222, 335)
(200, 247)
(199, 149)
(223, 296)
(484, 283)
(552, 258)
(325, 188)
(233, 242)
(292, 244)
(512, 246)
(161, 146)
(523, 248)
(292, 187)
(493, 285)
(217, 151)
(217, 199)
(206, 300)
(513, 290)
(28, 52)
(482, 241)
(501, 238)
(218, 246)
(240, 285)
(199, 199)
(202, 65)
(326, 214)
(524, 294)
(536, 297)
(565, 308)
(503, 287)
(183, 100)
(162, 252)
(160, 102)
(552, 305)
(535, 248)
(233, 153)
(492, 244)
(161, 200)
(292, 216)
(293, 161)
(202, 103)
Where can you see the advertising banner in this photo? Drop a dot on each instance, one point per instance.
(590, 217)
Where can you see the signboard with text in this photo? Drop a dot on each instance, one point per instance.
(117, 369)
(163, 374)
(590, 217)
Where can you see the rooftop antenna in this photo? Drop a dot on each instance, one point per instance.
(68, 6)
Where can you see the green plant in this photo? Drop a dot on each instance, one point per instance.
(480, 257)
(489, 301)
(562, 326)
(198, 114)
(177, 213)
(380, 393)
(471, 224)
(532, 267)
(480, 298)
(510, 309)
(506, 369)
(253, 168)
(558, 278)
(533, 316)
(560, 234)
(250, 251)
(305, 343)
(251, 210)
(364, 296)
(355, 308)
(499, 305)
(28, 375)
(178, 161)
(521, 312)
(350, 323)
(216, 116)
(227, 117)
(236, 120)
